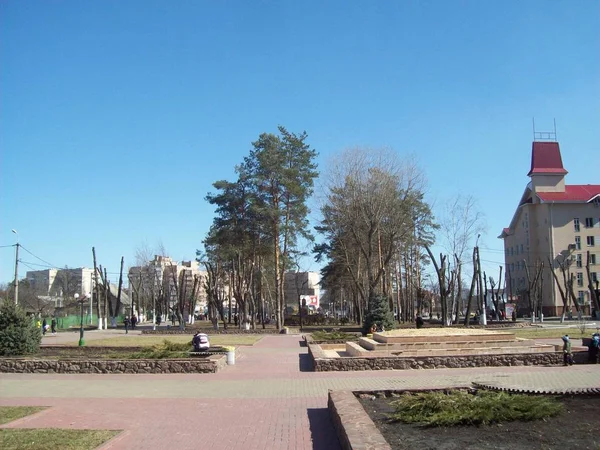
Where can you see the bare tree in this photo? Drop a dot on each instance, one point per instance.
(593, 296)
(563, 293)
(374, 203)
(533, 282)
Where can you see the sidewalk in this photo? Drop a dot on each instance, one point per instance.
(268, 400)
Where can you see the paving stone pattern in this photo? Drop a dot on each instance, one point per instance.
(268, 400)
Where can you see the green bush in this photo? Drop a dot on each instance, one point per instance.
(379, 314)
(335, 335)
(18, 333)
(466, 408)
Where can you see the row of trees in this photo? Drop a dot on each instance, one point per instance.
(376, 224)
(533, 290)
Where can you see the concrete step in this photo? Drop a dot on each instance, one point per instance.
(354, 349)
(458, 336)
(371, 344)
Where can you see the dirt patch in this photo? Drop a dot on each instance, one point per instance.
(578, 427)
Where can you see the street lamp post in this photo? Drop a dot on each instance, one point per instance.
(81, 302)
(16, 269)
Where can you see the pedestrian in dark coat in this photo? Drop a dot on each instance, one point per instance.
(419, 322)
(44, 327)
(53, 325)
(567, 353)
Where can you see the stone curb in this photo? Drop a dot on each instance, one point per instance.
(354, 427)
(566, 391)
(212, 364)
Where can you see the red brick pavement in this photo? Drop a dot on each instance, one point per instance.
(281, 411)
(197, 423)
(301, 423)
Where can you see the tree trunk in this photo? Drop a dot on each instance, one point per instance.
(593, 297)
(472, 289)
(97, 290)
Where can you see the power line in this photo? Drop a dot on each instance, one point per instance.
(34, 264)
(35, 256)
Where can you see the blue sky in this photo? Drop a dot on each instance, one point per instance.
(117, 116)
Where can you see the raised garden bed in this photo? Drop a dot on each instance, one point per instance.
(362, 420)
(208, 364)
(323, 363)
(165, 358)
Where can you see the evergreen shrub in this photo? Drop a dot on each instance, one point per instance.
(18, 333)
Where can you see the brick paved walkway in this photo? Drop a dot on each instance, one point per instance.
(268, 400)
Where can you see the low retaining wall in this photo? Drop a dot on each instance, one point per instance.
(24, 365)
(323, 364)
(311, 340)
(354, 427)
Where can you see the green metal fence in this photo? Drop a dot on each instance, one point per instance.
(73, 321)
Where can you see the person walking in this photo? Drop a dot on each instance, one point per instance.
(44, 326)
(126, 321)
(567, 353)
(53, 325)
(594, 349)
(133, 321)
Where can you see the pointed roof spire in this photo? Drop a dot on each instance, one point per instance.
(546, 159)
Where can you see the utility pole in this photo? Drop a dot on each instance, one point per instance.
(16, 269)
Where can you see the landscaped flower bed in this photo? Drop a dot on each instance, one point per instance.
(167, 357)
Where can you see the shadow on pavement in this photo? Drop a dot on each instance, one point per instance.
(322, 433)
(305, 362)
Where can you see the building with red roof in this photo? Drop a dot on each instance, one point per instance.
(553, 240)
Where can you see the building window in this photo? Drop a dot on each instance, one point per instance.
(512, 267)
(579, 263)
(592, 259)
(591, 241)
(580, 297)
(576, 223)
(511, 251)
(594, 276)
(589, 222)
(521, 248)
(579, 279)
(516, 249)
(578, 242)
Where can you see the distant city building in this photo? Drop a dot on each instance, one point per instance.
(161, 274)
(554, 223)
(60, 284)
(305, 284)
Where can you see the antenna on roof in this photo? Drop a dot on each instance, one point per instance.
(544, 135)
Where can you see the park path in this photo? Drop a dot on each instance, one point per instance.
(268, 400)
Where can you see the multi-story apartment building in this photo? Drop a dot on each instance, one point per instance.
(555, 224)
(305, 284)
(158, 275)
(61, 282)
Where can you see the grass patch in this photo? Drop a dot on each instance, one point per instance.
(149, 341)
(466, 408)
(45, 438)
(332, 336)
(10, 413)
(544, 333)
